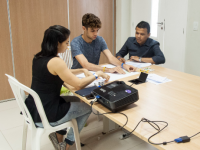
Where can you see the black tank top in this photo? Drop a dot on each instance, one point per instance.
(48, 87)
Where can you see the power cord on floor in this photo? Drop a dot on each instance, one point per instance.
(92, 102)
(154, 124)
(182, 139)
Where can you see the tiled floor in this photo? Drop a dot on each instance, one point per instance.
(11, 134)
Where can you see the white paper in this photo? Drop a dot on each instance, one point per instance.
(156, 79)
(96, 82)
(113, 76)
(109, 66)
(138, 64)
(117, 76)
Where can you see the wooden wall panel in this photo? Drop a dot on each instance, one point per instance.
(30, 18)
(5, 53)
(101, 8)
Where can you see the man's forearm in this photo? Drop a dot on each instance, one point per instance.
(147, 60)
(93, 67)
(115, 61)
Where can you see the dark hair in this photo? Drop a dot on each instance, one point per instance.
(90, 20)
(52, 36)
(144, 24)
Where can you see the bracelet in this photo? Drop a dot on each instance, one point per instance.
(96, 76)
(122, 65)
(104, 69)
(119, 58)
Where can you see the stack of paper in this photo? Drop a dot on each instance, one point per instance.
(138, 64)
(156, 79)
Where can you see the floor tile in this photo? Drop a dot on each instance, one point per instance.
(4, 145)
(82, 148)
(93, 122)
(15, 143)
(11, 135)
(92, 135)
(8, 105)
(111, 141)
(143, 146)
(10, 118)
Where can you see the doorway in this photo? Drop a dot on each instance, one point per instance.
(168, 19)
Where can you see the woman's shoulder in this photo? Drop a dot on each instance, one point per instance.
(56, 62)
(55, 65)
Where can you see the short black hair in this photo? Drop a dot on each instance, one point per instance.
(144, 24)
(52, 36)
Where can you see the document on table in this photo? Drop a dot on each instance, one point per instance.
(117, 76)
(100, 81)
(113, 76)
(156, 79)
(138, 64)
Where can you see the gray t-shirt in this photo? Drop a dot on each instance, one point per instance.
(91, 51)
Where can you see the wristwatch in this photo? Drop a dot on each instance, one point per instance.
(140, 59)
(96, 76)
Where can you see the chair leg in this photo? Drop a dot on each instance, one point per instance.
(24, 136)
(36, 138)
(76, 134)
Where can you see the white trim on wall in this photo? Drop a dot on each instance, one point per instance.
(11, 43)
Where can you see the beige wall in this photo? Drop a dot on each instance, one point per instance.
(29, 20)
(5, 53)
(192, 55)
(104, 9)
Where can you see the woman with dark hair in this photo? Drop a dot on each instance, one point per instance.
(49, 73)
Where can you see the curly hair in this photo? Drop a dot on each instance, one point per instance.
(90, 20)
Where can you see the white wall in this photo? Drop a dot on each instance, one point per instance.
(123, 23)
(137, 13)
(192, 55)
(127, 12)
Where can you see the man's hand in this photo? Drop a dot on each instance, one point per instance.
(135, 58)
(121, 59)
(129, 68)
(117, 69)
(87, 73)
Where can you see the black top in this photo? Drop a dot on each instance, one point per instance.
(149, 49)
(48, 87)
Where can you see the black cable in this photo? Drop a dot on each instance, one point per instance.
(194, 135)
(110, 113)
(131, 85)
(143, 120)
(158, 129)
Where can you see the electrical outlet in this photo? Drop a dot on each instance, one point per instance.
(195, 26)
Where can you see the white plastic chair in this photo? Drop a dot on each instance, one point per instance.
(18, 90)
(67, 57)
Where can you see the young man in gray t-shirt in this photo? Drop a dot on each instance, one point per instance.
(86, 48)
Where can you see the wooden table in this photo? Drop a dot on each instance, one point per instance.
(176, 102)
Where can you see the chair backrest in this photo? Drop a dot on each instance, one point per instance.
(67, 57)
(18, 91)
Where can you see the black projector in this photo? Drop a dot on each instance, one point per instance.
(116, 95)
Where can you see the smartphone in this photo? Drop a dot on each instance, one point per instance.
(89, 97)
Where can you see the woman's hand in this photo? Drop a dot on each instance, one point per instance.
(87, 73)
(103, 75)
